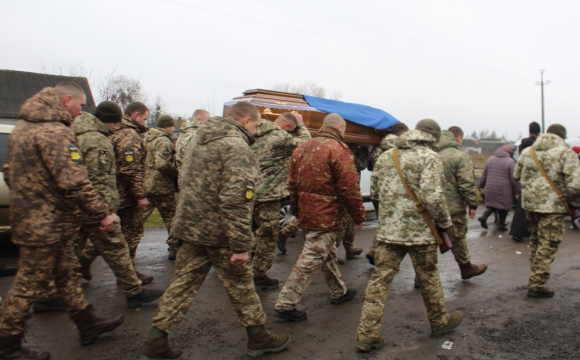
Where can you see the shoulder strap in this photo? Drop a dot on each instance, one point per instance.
(554, 187)
(418, 203)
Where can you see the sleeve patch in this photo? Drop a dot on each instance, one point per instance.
(74, 153)
(104, 163)
(129, 156)
(249, 191)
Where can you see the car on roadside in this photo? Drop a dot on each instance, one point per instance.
(5, 131)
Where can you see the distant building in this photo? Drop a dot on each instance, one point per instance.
(17, 86)
(484, 146)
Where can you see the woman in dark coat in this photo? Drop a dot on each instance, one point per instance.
(500, 187)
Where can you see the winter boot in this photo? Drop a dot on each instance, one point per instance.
(11, 349)
(348, 296)
(145, 279)
(52, 305)
(265, 283)
(469, 270)
(290, 315)
(541, 292)
(351, 254)
(281, 244)
(454, 320)
(85, 268)
(157, 347)
(371, 257)
(261, 341)
(368, 346)
(91, 327)
(172, 255)
(143, 297)
(7, 270)
(483, 222)
(416, 284)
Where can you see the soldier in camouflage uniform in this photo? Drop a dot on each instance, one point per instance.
(323, 182)
(272, 149)
(402, 230)
(49, 187)
(188, 131)
(99, 155)
(214, 224)
(544, 210)
(161, 175)
(130, 155)
(460, 192)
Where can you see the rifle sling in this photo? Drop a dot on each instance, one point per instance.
(554, 187)
(418, 203)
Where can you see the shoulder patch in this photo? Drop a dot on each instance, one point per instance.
(74, 153)
(104, 163)
(129, 156)
(250, 191)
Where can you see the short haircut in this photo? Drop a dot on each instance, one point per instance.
(333, 120)
(534, 128)
(134, 107)
(399, 128)
(199, 112)
(288, 118)
(69, 88)
(456, 130)
(243, 109)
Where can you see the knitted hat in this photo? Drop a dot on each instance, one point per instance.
(535, 128)
(557, 129)
(430, 127)
(165, 121)
(109, 112)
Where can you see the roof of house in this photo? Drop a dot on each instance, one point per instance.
(17, 86)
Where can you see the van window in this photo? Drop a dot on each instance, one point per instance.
(3, 149)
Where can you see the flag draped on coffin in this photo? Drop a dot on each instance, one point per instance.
(360, 114)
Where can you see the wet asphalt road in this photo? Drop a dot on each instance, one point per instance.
(500, 321)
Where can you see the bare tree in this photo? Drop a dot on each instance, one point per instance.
(337, 95)
(306, 88)
(483, 133)
(212, 105)
(156, 109)
(121, 89)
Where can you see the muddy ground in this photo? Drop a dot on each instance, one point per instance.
(500, 321)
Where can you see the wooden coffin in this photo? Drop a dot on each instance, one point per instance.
(273, 103)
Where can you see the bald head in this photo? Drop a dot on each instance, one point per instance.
(287, 121)
(202, 115)
(336, 121)
(69, 88)
(72, 97)
(246, 113)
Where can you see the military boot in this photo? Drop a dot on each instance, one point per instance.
(369, 345)
(416, 283)
(51, 305)
(172, 255)
(145, 279)
(348, 296)
(7, 270)
(91, 327)
(371, 257)
(261, 341)
(541, 292)
(11, 349)
(281, 243)
(265, 283)
(469, 270)
(351, 254)
(157, 347)
(455, 319)
(143, 297)
(290, 315)
(85, 268)
(483, 222)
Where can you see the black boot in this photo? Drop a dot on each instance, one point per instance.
(7, 270)
(348, 295)
(11, 349)
(290, 315)
(85, 268)
(143, 297)
(91, 327)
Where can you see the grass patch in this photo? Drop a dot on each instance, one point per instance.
(154, 220)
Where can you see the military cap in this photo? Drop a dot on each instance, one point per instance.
(429, 126)
(109, 112)
(165, 121)
(557, 129)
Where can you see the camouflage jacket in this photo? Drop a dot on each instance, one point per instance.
(161, 172)
(188, 131)
(561, 165)
(361, 157)
(99, 157)
(400, 222)
(273, 148)
(323, 182)
(460, 189)
(130, 154)
(216, 201)
(46, 174)
(386, 144)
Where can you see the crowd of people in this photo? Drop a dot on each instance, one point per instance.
(82, 186)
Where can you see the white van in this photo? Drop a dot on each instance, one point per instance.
(5, 131)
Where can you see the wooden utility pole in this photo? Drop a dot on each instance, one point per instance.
(542, 83)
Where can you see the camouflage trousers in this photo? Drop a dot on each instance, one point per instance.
(132, 227)
(166, 205)
(37, 268)
(546, 234)
(267, 218)
(346, 234)
(292, 226)
(387, 261)
(319, 251)
(457, 236)
(193, 262)
(112, 247)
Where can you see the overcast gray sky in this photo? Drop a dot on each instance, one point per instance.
(467, 63)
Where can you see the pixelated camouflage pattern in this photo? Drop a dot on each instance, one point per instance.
(130, 154)
(346, 234)
(216, 201)
(400, 222)
(166, 205)
(273, 148)
(546, 234)
(192, 264)
(319, 251)
(46, 174)
(132, 227)
(561, 165)
(188, 131)
(387, 264)
(361, 157)
(457, 235)
(160, 168)
(460, 190)
(38, 266)
(99, 157)
(323, 179)
(386, 144)
(266, 218)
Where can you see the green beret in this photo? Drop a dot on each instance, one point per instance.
(429, 126)
(165, 121)
(109, 112)
(557, 129)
